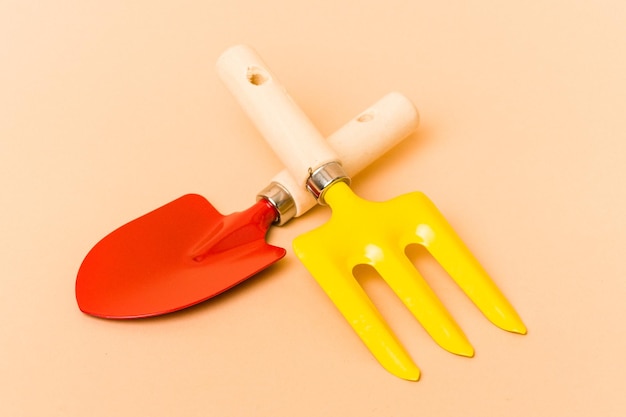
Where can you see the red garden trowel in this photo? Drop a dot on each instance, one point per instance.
(364, 232)
(187, 252)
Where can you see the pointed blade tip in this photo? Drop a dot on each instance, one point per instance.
(410, 373)
(460, 347)
(520, 328)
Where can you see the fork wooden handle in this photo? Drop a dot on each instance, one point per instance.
(361, 141)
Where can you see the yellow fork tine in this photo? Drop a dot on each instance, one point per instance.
(435, 233)
(354, 304)
(408, 284)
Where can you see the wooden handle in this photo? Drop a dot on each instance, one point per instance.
(361, 141)
(282, 123)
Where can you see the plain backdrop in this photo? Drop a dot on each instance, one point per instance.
(111, 109)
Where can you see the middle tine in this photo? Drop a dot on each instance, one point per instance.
(357, 308)
(452, 254)
(409, 285)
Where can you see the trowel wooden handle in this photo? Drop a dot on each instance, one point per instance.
(361, 141)
(285, 127)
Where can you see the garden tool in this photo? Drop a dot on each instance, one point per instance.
(186, 252)
(364, 232)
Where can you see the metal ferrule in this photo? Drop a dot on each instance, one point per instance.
(281, 200)
(323, 177)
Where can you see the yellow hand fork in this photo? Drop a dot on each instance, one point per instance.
(364, 232)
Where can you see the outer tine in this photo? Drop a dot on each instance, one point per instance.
(416, 294)
(357, 308)
(447, 248)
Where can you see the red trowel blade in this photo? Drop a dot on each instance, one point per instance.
(178, 255)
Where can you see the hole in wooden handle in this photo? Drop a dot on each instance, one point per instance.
(257, 76)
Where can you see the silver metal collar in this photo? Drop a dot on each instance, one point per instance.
(323, 177)
(281, 200)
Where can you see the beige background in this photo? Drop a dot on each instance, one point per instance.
(109, 109)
